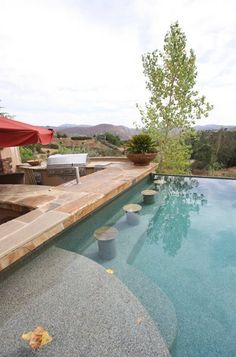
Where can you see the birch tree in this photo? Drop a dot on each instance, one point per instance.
(174, 103)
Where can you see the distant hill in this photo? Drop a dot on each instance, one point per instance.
(122, 131)
(214, 127)
(66, 126)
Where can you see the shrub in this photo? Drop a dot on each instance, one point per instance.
(60, 135)
(26, 153)
(53, 146)
(113, 139)
(141, 144)
(199, 165)
(81, 137)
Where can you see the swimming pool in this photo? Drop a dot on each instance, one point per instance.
(179, 260)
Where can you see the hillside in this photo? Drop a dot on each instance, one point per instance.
(214, 127)
(122, 131)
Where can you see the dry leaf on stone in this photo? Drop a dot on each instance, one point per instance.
(37, 338)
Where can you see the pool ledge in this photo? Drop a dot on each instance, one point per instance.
(54, 209)
(87, 311)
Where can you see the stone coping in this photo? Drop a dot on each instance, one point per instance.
(54, 209)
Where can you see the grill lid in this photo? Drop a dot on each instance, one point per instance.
(67, 160)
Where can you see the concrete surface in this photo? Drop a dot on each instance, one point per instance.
(87, 311)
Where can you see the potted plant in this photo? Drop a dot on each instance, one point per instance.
(141, 149)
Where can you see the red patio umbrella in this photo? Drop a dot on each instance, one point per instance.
(15, 133)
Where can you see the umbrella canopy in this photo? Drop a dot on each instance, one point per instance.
(15, 133)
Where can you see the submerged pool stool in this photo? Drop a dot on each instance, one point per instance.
(106, 242)
(149, 196)
(132, 216)
(158, 184)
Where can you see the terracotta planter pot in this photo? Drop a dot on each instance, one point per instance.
(142, 159)
(34, 162)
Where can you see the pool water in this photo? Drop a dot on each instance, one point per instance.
(180, 260)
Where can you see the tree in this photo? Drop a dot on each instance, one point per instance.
(214, 149)
(174, 103)
(113, 139)
(60, 135)
(3, 113)
(172, 220)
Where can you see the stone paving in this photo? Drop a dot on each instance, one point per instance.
(53, 209)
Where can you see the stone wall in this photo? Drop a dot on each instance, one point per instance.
(9, 159)
(5, 165)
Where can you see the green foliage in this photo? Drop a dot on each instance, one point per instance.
(174, 103)
(177, 157)
(111, 138)
(86, 149)
(3, 113)
(35, 148)
(53, 146)
(140, 144)
(81, 137)
(181, 194)
(100, 137)
(61, 135)
(30, 152)
(214, 149)
(202, 151)
(26, 153)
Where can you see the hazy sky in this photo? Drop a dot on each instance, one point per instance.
(79, 61)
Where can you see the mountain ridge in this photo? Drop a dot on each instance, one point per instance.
(124, 132)
(214, 127)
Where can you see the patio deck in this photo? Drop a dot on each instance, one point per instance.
(54, 209)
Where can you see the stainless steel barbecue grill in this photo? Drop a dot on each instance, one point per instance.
(67, 165)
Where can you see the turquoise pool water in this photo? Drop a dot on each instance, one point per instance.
(180, 260)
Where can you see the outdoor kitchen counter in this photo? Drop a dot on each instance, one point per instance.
(40, 174)
(53, 209)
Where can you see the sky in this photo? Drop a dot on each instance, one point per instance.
(79, 61)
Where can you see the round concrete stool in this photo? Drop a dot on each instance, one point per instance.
(132, 216)
(106, 242)
(158, 184)
(148, 196)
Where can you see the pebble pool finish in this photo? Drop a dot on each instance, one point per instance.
(179, 261)
(88, 312)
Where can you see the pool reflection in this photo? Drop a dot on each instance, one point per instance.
(171, 222)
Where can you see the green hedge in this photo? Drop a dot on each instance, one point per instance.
(81, 137)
